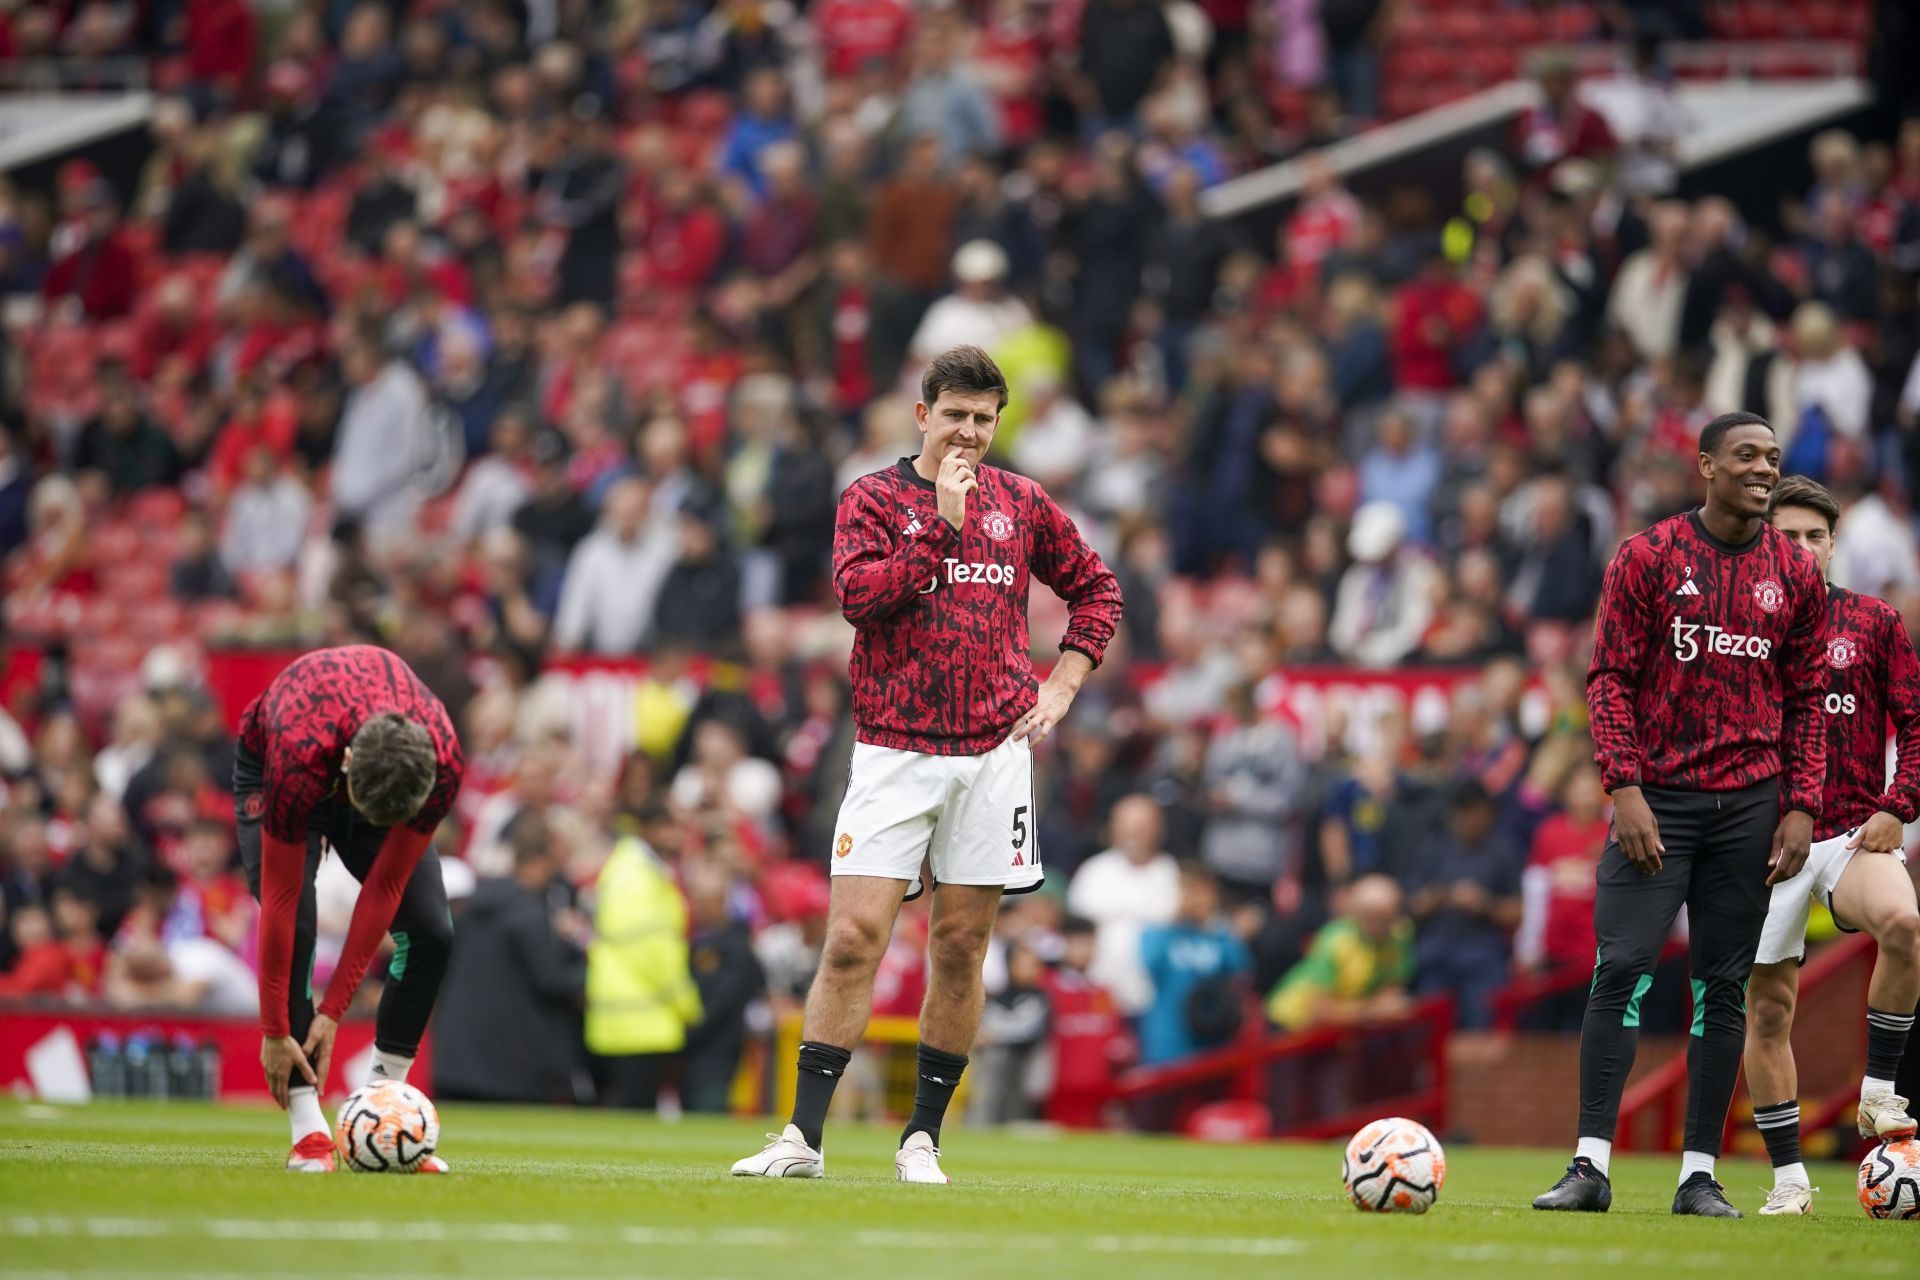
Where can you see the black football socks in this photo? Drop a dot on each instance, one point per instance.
(821, 1066)
(939, 1077)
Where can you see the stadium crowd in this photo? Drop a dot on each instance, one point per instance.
(495, 334)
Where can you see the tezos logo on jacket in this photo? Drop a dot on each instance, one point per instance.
(1687, 642)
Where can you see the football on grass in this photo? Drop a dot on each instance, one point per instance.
(1394, 1166)
(386, 1127)
(1890, 1180)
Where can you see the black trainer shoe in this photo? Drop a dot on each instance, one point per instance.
(1702, 1197)
(1582, 1189)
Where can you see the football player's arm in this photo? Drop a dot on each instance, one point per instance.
(1902, 797)
(289, 796)
(1062, 559)
(1803, 678)
(1622, 645)
(874, 576)
(373, 913)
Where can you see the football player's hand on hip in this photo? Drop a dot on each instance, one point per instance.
(1883, 833)
(1049, 709)
(1792, 840)
(1636, 830)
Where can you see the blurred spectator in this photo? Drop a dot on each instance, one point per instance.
(1402, 473)
(1358, 967)
(1011, 1067)
(508, 1021)
(203, 210)
(386, 442)
(1385, 598)
(266, 518)
(1840, 269)
(61, 953)
(1255, 789)
(1560, 126)
(1089, 1033)
(95, 276)
(122, 443)
(699, 603)
(1556, 927)
(554, 520)
(640, 995)
(722, 780)
(979, 312)
(1121, 891)
(1436, 317)
(1466, 901)
(1124, 46)
(580, 195)
(153, 966)
(1197, 967)
(729, 980)
(198, 571)
(498, 483)
(614, 576)
(910, 235)
(1652, 286)
(1833, 395)
(16, 485)
(944, 98)
(298, 147)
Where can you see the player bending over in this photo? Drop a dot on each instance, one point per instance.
(345, 751)
(1709, 666)
(1857, 866)
(931, 561)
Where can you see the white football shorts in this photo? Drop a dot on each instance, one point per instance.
(1784, 936)
(967, 819)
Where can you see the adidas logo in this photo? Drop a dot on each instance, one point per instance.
(1687, 588)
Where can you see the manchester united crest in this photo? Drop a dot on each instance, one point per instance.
(253, 804)
(1769, 595)
(997, 525)
(1841, 652)
(843, 846)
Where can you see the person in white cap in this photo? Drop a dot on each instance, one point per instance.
(1385, 599)
(978, 313)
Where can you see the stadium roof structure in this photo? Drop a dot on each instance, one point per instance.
(1729, 116)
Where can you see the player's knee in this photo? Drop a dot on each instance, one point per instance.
(1770, 1011)
(430, 943)
(852, 944)
(957, 951)
(1901, 938)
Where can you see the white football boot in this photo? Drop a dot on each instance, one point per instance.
(918, 1160)
(1788, 1199)
(1883, 1115)
(786, 1155)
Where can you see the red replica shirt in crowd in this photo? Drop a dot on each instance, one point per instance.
(299, 730)
(942, 662)
(1709, 664)
(1566, 850)
(1872, 674)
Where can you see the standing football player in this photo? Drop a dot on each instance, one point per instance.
(1857, 866)
(931, 562)
(345, 751)
(1708, 673)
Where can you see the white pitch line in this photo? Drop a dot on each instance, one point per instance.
(282, 1229)
(529, 1233)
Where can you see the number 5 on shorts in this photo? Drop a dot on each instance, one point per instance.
(1019, 834)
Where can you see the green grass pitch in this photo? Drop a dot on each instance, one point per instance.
(141, 1190)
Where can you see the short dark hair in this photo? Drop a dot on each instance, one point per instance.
(1714, 432)
(1803, 491)
(968, 370)
(393, 769)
